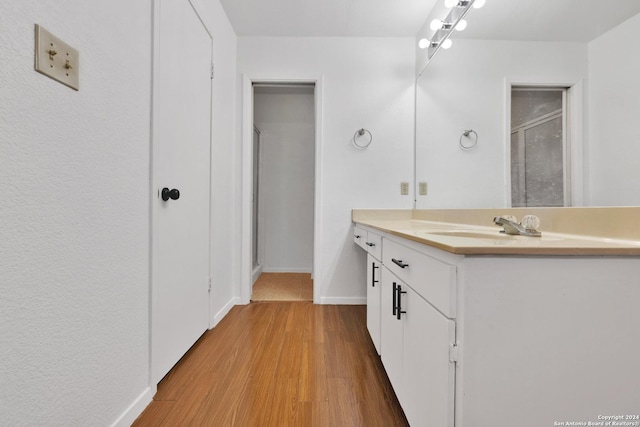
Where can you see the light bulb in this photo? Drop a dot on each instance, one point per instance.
(450, 3)
(479, 3)
(461, 25)
(436, 24)
(423, 43)
(447, 44)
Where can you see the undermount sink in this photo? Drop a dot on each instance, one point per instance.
(472, 234)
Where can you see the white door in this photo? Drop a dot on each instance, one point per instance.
(391, 331)
(428, 374)
(181, 160)
(373, 300)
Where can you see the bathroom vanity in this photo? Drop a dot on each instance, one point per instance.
(476, 328)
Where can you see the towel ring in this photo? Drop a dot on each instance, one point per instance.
(360, 133)
(468, 146)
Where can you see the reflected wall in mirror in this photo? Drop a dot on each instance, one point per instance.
(469, 87)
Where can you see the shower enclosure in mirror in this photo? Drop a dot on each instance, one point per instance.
(538, 147)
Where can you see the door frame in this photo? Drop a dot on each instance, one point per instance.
(155, 102)
(575, 132)
(247, 171)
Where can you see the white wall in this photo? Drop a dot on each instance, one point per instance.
(74, 269)
(464, 88)
(368, 82)
(286, 119)
(614, 135)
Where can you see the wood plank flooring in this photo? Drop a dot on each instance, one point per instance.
(279, 364)
(283, 287)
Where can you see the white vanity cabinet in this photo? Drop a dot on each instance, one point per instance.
(503, 340)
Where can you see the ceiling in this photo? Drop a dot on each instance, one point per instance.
(547, 20)
(329, 18)
(541, 20)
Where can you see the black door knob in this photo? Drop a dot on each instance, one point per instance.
(170, 194)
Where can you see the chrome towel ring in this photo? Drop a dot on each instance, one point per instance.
(468, 145)
(359, 134)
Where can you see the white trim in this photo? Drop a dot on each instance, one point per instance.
(155, 90)
(247, 167)
(575, 89)
(224, 311)
(255, 274)
(135, 409)
(343, 300)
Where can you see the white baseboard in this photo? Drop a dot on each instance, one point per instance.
(224, 311)
(343, 300)
(135, 409)
(285, 270)
(255, 274)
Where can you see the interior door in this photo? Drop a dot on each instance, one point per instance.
(181, 161)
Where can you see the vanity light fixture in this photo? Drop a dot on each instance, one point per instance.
(462, 3)
(424, 43)
(437, 24)
(443, 28)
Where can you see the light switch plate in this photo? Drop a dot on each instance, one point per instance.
(422, 188)
(56, 59)
(404, 188)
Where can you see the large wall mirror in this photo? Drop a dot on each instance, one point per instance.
(535, 104)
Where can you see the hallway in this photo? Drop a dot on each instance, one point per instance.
(279, 364)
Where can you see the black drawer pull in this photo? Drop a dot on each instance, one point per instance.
(399, 263)
(399, 311)
(395, 296)
(370, 244)
(373, 274)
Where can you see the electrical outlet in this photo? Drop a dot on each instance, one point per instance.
(56, 59)
(422, 188)
(404, 188)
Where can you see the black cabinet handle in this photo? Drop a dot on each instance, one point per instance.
(373, 274)
(399, 311)
(370, 244)
(356, 236)
(395, 295)
(399, 263)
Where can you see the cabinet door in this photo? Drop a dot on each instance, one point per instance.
(428, 374)
(373, 300)
(391, 333)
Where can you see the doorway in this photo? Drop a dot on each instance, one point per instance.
(283, 190)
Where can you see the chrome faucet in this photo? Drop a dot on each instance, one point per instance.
(514, 228)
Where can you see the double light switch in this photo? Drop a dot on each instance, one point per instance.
(56, 59)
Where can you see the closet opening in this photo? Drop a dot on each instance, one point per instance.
(283, 191)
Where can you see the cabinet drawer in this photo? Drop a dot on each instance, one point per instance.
(360, 237)
(369, 241)
(434, 280)
(374, 245)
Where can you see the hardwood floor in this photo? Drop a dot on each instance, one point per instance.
(283, 287)
(279, 364)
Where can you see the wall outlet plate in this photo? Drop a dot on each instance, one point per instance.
(422, 188)
(56, 59)
(404, 188)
